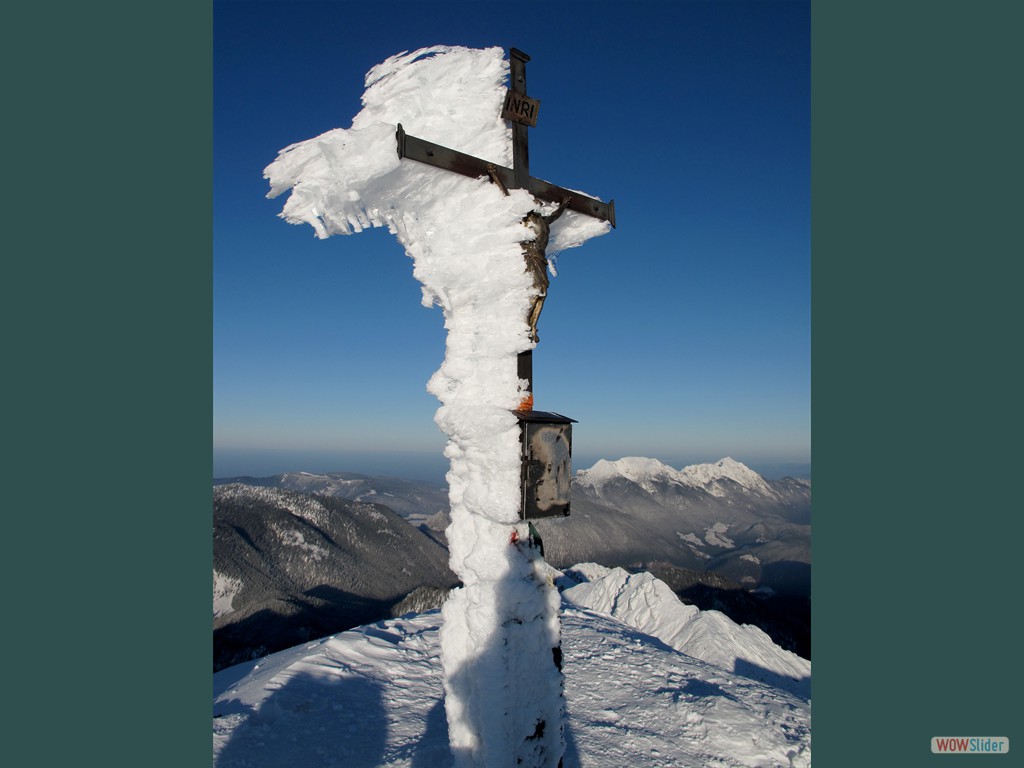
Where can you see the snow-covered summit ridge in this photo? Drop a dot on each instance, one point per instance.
(373, 695)
(646, 472)
(706, 475)
(648, 604)
(634, 468)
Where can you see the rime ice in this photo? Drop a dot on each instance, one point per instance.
(503, 693)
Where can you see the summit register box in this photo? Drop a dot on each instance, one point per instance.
(546, 450)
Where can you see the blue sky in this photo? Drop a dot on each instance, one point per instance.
(683, 335)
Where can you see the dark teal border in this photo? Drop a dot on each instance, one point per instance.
(916, 178)
(916, 384)
(107, 314)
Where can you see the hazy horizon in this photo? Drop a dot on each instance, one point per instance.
(424, 466)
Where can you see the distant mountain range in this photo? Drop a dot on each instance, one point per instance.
(291, 566)
(722, 518)
(414, 500)
(719, 519)
(722, 536)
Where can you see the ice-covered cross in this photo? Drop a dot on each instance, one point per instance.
(464, 233)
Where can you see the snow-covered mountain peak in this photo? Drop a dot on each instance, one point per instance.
(636, 468)
(645, 472)
(709, 476)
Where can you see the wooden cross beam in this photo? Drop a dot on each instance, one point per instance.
(517, 177)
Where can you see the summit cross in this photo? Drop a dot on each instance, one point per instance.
(500, 638)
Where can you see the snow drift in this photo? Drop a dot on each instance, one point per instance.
(373, 696)
(648, 604)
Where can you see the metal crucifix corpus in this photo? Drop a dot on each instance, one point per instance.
(521, 110)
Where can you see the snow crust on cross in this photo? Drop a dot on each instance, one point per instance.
(464, 237)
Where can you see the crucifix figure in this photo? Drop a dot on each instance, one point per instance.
(537, 261)
(535, 251)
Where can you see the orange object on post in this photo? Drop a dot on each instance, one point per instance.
(524, 366)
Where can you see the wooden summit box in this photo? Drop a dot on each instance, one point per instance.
(546, 450)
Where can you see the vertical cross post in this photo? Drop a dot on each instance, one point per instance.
(520, 138)
(521, 173)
